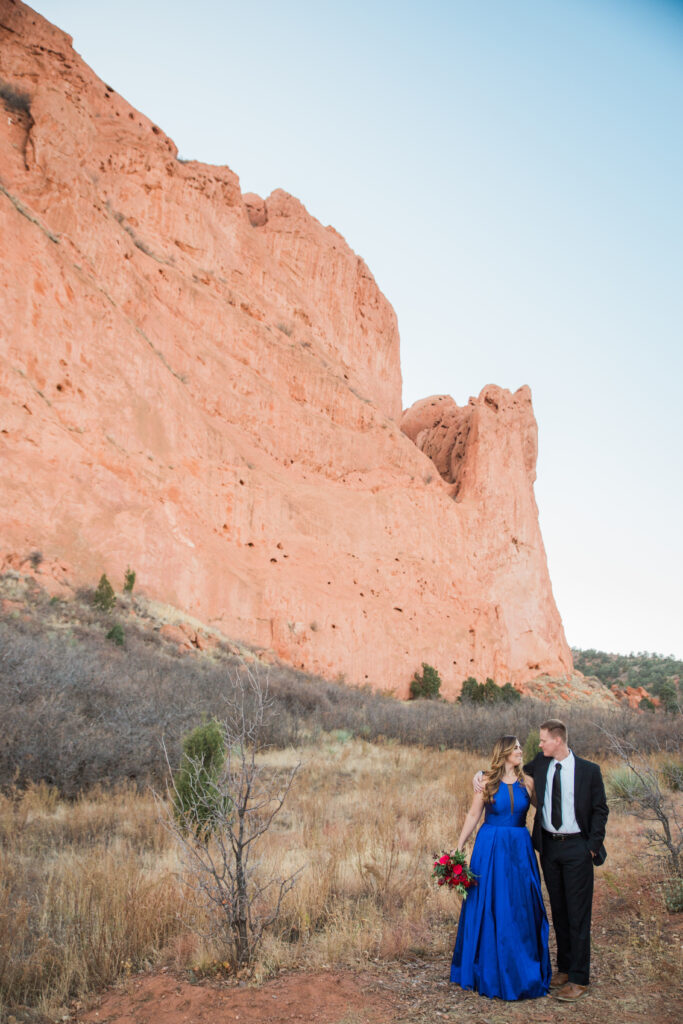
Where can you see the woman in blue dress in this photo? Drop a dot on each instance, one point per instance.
(502, 944)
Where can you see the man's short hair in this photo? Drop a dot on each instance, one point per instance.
(555, 727)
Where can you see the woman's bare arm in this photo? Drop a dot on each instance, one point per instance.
(531, 789)
(471, 819)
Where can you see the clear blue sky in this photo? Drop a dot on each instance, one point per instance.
(512, 173)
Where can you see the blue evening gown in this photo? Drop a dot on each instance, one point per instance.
(502, 944)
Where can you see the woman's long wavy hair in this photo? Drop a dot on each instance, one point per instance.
(503, 747)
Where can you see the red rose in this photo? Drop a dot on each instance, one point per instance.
(457, 870)
(441, 881)
(444, 859)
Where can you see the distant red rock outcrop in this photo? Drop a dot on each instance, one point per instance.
(206, 386)
(631, 696)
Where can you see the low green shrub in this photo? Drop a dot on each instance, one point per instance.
(425, 685)
(623, 785)
(672, 775)
(195, 790)
(509, 694)
(116, 635)
(104, 597)
(488, 692)
(342, 735)
(669, 696)
(673, 895)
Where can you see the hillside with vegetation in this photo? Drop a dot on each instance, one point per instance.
(90, 689)
(659, 674)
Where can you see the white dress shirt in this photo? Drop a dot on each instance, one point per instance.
(569, 822)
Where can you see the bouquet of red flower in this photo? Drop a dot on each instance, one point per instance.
(451, 869)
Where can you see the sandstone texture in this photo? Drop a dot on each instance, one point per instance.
(486, 453)
(575, 689)
(631, 696)
(206, 386)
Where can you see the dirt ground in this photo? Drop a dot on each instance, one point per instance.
(416, 991)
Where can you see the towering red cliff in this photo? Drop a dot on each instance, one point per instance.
(206, 386)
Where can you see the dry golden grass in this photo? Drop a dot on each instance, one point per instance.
(89, 890)
(633, 932)
(86, 893)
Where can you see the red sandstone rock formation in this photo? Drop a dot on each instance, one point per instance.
(486, 451)
(206, 386)
(631, 696)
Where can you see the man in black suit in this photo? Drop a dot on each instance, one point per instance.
(569, 829)
(568, 832)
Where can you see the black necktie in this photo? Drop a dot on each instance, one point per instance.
(556, 806)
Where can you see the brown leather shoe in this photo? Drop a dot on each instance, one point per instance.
(559, 979)
(570, 992)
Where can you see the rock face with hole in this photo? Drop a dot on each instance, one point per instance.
(485, 452)
(206, 386)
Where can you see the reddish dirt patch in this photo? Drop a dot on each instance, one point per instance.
(418, 992)
(323, 998)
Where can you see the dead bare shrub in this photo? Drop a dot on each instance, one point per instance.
(641, 789)
(221, 813)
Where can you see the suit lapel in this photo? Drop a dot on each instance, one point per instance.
(579, 782)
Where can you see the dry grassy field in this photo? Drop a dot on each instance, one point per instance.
(90, 892)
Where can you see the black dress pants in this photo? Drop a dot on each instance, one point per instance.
(568, 872)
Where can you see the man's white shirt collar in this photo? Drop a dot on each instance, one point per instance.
(567, 763)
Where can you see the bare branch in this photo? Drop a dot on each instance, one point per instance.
(641, 793)
(222, 815)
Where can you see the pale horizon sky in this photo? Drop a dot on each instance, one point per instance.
(512, 173)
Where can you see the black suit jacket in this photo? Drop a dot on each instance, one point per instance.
(590, 802)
